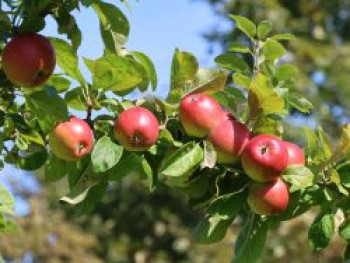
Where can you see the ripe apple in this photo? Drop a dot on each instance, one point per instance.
(199, 113)
(268, 198)
(29, 60)
(264, 158)
(71, 140)
(229, 139)
(295, 154)
(136, 129)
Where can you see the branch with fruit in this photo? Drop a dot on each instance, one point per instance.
(218, 137)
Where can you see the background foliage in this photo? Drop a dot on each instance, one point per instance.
(163, 234)
(320, 50)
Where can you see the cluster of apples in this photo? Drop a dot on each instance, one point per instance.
(263, 157)
(136, 129)
(29, 60)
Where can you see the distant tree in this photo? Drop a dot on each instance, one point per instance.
(321, 49)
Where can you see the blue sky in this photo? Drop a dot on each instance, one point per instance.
(157, 28)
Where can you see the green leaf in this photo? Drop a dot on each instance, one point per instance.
(169, 109)
(301, 201)
(166, 138)
(245, 25)
(240, 48)
(67, 25)
(112, 105)
(344, 230)
(267, 125)
(263, 97)
(130, 164)
(343, 147)
(147, 171)
(33, 161)
(285, 36)
(208, 81)
(336, 179)
(114, 25)
(326, 144)
(299, 177)
(21, 143)
(114, 73)
(86, 200)
(105, 154)
(149, 66)
(56, 169)
(77, 171)
(211, 229)
(48, 108)
(75, 198)
(235, 94)
(7, 202)
(9, 126)
(32, 24)
(226, 100)
(300, 102)
(321, 231)
(312, 142)
(67, 60)
(273, 50)
(179, 165)
(241, 80)
(184, 67)
(60, 83)
(285, 72)
(232, 62)
(344, 173)
(227, 206)
(75, 99)
(93, 196)
(264, 28)
(251, 241)
(209, 159)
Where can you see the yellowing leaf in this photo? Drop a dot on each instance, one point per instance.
(266, 98)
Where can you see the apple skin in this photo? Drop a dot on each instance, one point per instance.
(229, 139)
(199, 113)
(295, 154)
(136, 129)
(29, 60)
(268, 198)
(71, 140)
(264, 158)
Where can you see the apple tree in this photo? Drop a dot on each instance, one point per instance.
(217, 137)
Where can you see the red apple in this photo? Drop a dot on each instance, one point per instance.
(199, 113)
(229, 139)
(295, 154)
(268, 198)
(264, 158)
(71, 140)
(29, 60)
(136, 129)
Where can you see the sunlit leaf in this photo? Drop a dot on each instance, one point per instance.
(245, 25)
